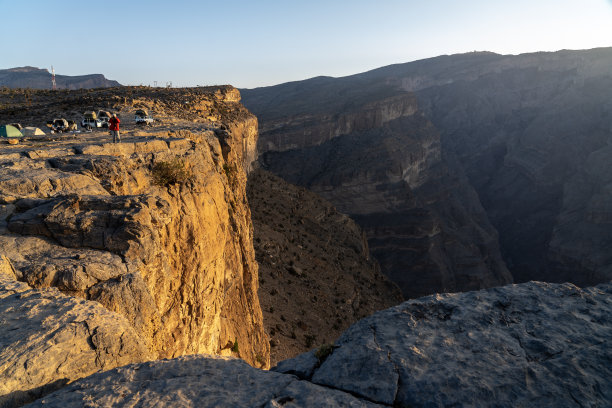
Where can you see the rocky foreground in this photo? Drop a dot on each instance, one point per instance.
(528, 345)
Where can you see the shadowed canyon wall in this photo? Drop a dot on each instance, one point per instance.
(382, 164)
(525, 137)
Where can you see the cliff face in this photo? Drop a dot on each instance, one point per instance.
(533, 132)
(528, 136)
(382, 163)
(316, 274)
(156, 229)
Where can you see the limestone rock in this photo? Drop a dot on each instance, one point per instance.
(7, 271)
(156, 228)
(197, 381)
(533, 344)
(48, 339)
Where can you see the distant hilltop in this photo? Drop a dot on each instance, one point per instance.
(38, 78)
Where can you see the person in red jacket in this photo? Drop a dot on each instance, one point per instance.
(113, 126)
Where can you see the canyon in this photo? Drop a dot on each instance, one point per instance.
(466, 171)
(173, 270)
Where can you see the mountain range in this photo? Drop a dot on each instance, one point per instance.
(38, 78)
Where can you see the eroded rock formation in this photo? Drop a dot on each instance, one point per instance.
(533, 344)
(198, 381)
(156, 229)
(48, 339)
(530, 134)
(381, 163)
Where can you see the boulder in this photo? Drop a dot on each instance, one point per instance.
(534, 344)
(48, 339)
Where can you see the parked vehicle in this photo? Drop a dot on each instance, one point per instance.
(142, 117)
(60, 125)
(104, 116)
(90, 123)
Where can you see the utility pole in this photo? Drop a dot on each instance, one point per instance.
(54, 86)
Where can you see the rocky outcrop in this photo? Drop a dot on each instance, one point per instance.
(197, 381)
(48, 339)
(316, 276)
(534, 344)
(156, 229)
(424, 223)
(37, 78)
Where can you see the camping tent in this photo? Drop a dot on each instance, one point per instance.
(9, 131)
(32, 131)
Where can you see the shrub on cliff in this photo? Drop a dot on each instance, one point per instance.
(171, 172)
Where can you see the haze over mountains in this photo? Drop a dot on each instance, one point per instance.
(37, 78)
(450, 161)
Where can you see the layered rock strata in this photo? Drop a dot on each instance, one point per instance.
(533, 133)
(156, 229)
(424, 222)
(530, 132)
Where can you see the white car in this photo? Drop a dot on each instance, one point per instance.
(144, 120)
(90, 123)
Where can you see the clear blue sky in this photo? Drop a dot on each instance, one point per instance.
(265, 42)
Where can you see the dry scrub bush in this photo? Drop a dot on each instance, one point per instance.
(170, 172)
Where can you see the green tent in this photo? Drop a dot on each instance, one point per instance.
(9, 131)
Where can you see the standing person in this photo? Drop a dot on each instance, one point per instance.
(113, 126)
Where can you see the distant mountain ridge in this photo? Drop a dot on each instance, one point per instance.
(39, 78)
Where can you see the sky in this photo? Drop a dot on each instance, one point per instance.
(265, 42)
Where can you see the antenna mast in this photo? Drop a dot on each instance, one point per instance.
(54, 86)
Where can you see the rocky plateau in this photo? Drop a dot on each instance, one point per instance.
(154, 232)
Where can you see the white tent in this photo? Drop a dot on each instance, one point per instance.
(32, 131)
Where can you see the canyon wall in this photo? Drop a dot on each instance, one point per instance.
(316, 274)
(382, 164)
(525, 137)
(156, 229)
